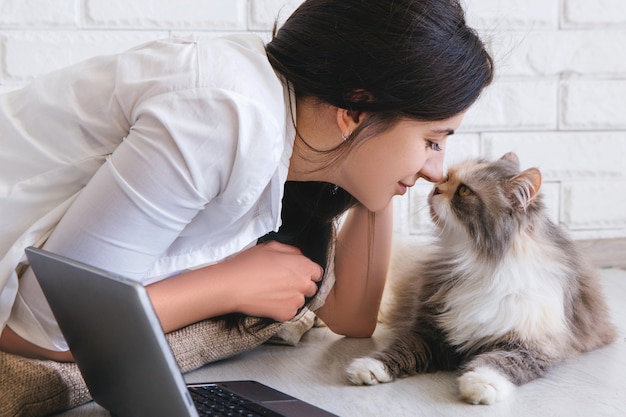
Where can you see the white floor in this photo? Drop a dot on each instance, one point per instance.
(592, 385)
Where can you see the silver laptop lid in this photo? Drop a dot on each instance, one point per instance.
(115, 337)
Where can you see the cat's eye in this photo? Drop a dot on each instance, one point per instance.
(463, 191)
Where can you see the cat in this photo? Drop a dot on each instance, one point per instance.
(502, 295)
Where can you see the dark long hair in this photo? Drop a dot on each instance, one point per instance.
(412, 58)
(394, 59)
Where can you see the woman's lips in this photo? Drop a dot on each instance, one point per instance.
(403, 187)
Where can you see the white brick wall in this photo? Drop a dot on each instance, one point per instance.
(559, 99)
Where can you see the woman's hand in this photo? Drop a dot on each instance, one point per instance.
(272, 280)
(268, 280)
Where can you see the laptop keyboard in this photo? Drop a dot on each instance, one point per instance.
(214, 401)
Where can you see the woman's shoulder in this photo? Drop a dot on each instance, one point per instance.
(235, 66)
(239, 63)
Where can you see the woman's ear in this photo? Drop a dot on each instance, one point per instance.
(348, 120)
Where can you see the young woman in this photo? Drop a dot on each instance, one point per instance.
(172, 163)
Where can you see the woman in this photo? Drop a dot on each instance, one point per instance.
(169, 163)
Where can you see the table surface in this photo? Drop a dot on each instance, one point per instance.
(593, 384)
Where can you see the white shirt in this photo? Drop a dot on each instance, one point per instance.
(167, 157)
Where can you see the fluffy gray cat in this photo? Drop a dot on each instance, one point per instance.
(502, 295)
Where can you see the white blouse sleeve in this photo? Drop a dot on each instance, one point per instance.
(187, 139)
(180, 155)
(182, 152)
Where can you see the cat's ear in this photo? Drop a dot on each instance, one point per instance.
(524, 187)
(511, 157)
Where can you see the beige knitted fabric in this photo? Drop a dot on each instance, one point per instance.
(32, 388)
(207, 341)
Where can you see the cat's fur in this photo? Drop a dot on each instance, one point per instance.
(502, 295)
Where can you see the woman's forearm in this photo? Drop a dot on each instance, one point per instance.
(361, 262)
(268, 280)
(191, 297)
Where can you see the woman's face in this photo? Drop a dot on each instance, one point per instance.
(387, 164)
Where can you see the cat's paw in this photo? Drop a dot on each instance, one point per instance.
(484, 386)
(367, 371)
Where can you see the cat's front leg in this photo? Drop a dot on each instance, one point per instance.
(484, 385)
(368, 371)
(408, 354)
(493, 375)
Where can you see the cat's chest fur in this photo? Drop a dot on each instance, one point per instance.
(523, 295)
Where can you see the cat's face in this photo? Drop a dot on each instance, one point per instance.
(480, 203)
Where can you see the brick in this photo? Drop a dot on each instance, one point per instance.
(21, 13)
(28, 54)
(593, 104)
(546, 53)
(155, 14)
(593, 205)
(551, 194)
(511, 104)
(496, 15)
(263, 13)
(460, 147)
(601, 13)
(563, 155)
(480, 14)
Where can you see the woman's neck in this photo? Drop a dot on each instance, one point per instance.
(316, 130)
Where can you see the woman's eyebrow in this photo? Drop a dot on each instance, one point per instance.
(447, 132)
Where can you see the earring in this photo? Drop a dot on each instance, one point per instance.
(344, 137)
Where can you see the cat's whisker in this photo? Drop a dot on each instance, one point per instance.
(438, 224)
(422, 207)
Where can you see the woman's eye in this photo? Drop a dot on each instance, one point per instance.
(463, 191)
(434, 146)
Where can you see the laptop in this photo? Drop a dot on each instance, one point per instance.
(118, 344)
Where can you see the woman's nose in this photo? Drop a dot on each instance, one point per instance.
(432, 170)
